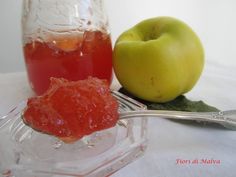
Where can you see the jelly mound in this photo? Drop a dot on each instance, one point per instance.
(70, 110)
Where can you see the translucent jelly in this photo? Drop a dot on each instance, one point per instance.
(72, 109)
(72, 57)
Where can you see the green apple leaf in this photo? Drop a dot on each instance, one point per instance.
(181, 103)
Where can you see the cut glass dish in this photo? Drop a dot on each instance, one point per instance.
(25, 152)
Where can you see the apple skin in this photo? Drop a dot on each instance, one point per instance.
(158, 59)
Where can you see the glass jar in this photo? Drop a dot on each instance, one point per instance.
(65, 38)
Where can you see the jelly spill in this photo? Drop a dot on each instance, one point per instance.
(70, 110)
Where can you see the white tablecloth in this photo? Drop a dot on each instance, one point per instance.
(169, 141)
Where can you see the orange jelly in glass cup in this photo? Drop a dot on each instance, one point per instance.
(65, 39)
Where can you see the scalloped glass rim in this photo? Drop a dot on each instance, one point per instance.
(25, 152)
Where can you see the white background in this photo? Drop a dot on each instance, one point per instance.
(213, 20)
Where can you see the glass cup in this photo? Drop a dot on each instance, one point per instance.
(65, 38)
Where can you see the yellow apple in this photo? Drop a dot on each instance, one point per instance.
(158, 59)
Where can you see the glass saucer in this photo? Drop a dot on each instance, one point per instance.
(26, 153)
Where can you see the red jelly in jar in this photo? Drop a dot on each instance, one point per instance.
(71, 57)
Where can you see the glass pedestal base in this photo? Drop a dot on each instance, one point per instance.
(26, 153)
